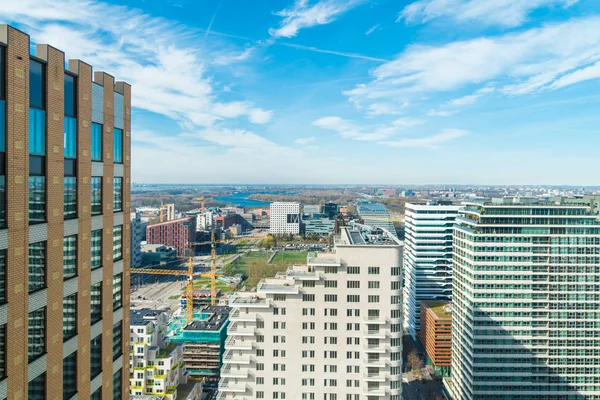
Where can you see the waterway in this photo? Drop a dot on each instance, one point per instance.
(241, 199)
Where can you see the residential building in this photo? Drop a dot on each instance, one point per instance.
(177, 234)
(285, 218)
(427, 258)
(321, 226)
(325, 330)
(156, 363)
(137, 233)
(376, 214)
(204, 221)
(436, 335)
(157, 254)
(330, 210)
(525, 317)
(64, 239)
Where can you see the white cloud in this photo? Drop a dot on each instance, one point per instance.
(372, 29)
(431, 142)
(584, 74)
(305, 15)
(234, 58)
(351, 130)
(508, 13)
(517, 63)
(451, 107)
(304, 141)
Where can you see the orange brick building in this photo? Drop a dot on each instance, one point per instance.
(436, 335)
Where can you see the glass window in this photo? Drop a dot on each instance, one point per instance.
(2, 351)
(70, 95)
(96, 249)
(70, 145)
(118, 137)
(96, 302)
(2, 73)
(96, 356)
(117, 385)
(2, 200)
(37, 199)
(97, 395)
(36, 84)
(69, 376)
(70, 197)
(117, 243)
(96, 142)
(69, 317)
(117, 291)
(37, 266)
(69, 256)
(117, 340)
(118, 194)
(36, 389)
(96, 195)
(36, 334)
(2, 125)
(37, 132)
(2, 276)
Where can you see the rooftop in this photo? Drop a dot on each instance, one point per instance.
(143, 317)
(441, 309)
(365, 235)
(217, 316)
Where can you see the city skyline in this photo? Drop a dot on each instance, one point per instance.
(429, 91)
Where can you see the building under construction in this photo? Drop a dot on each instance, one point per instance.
(203, 340)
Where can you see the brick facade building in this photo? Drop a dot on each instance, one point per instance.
(176, 234)
(436, 335)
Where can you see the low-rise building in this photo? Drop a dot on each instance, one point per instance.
(321, 226)
(436, 335)
(157, 254)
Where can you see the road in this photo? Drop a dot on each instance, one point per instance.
(157, 294)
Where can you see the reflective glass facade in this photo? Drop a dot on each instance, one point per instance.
(70, 197)
(96, 260)
(69, 376)
(96, 142)
(96, 195)
(118, 150)
(96, 356)
(37, 266)
(69, 256)
(37, 334)
(70, 145)
(36, 389)
(117, 291)
(96, 302)
(117, 243)
(118, 194)
(69, 317)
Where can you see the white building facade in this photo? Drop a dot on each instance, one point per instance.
(427, 258)
(285, 218)
(526, 289)
(330, 329)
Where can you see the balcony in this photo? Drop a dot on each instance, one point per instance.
(233, 357)
(378, 392)
(237, 329)
(228, 385)
(232, 372)
(302, 274)
(380, 363)
(380, 348)
(376, 377)
(238, 344)
(249, 302)
(238, 316)
(373, 334)
(378, 320)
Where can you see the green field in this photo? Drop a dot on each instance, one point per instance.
(254, 265)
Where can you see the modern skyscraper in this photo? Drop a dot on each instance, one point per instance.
(427, 258)
(64, 241)
(330, 329)
(285, 218)
(526, 289)
(376, 214)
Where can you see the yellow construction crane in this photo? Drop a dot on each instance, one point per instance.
(213, 269)
(201, 200)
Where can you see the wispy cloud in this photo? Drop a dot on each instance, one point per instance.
(517, 63)
(584, 74)
(233, 58)
(430, 142)
(351, 130)
(304, 15)
(508, 13)
(336, 53)
(304, 141)
(372, 29)
(451, 107)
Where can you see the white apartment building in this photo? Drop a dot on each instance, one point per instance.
(427, 258)
(330, 329)
(156, 365)
(526, 289)
(137, 232)
(285, 218)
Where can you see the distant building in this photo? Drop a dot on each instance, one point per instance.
(330, 210)
(137, 233)
(235, 229)
(376, 214)
(436, 335)
(388, 192)
(311, 211)
(321, 226)
(176, 234)
(285, 218)
(157, 254)
(204, 221)
(225, 221)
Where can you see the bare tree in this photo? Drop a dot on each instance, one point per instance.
(415, 362)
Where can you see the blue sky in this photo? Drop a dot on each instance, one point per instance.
(345, 91)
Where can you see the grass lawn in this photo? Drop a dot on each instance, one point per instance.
(255, 266)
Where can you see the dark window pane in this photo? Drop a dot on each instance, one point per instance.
(2, 125)
(36, 389)
(36, 334)
(117, 385)
(2, 276)
(70, 139)
(96, 302)
(118, 151)
(36, 84)
(96, 249)
(70, 197)
(37, 132)
(37, 165)
(96, 142)
(37, 266)
(2, 351)
(70, 167)
(117, 291)
(70, 95)
(118, 194)
(69, 376)
(117, 243)
(97, 395)
(2, 201)
(96, 356)
(69, 256)
(69, 317)
(37, 199)
(117, 340)
(2, 73)
(96, 195)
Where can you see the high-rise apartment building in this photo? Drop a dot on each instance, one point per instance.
(427, 258)
(285, 218)
(137, 232)
(330, 329)
(376, 214)
(526, 289)
(64, 239)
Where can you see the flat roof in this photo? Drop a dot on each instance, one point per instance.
(141, 317)
(219, 315)
(438, 308)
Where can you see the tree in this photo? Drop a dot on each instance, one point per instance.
(268, 242)
(416, 364)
